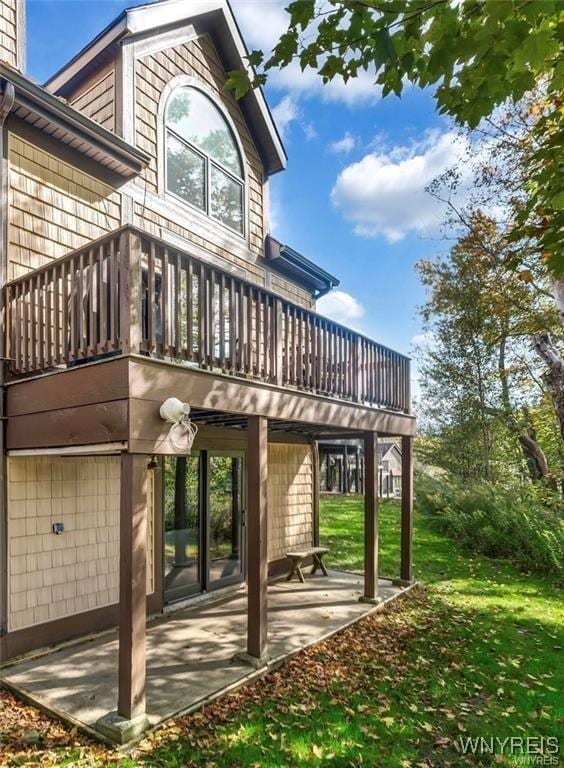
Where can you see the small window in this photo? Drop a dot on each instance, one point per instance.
(203, 162)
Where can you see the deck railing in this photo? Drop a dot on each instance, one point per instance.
(130, 292)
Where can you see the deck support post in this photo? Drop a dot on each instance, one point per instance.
(257, 556)
(130, 719)
(370, 518)
(406, 565)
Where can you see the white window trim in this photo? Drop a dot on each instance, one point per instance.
(191, 82)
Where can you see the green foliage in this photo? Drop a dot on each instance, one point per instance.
(477, 652)
(480, 377)
(523, 526)
(475, 54)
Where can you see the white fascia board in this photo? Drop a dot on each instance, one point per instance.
(76, 65)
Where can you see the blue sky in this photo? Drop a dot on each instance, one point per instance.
(352, 198)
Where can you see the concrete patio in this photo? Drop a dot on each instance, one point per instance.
(190, 652)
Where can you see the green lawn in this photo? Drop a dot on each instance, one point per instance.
(476, 652)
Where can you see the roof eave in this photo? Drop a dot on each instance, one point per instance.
(290, 261)
(125, 159)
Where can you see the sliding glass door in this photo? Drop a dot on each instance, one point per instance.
(182, 526)
(203, 522)
(225, 517)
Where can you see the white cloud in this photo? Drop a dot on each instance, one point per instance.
(384, 192)
(359, 91)
(344, 145)
(341, 307)
(286, 112)
(309, 131)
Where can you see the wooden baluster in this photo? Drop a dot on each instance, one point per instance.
(80, 321)
(176, 339)
(300, 350)
(47, 288)
(385, 377)
(287, 378)
(269, 338)
(74, 330)
(241, 329)
(103, 298)
(222, 322)
(232, 326)
(258, 332)
(339, 388)
(331, 358)
(190, 308)
(165, 298)
(202, 314)
(9, 330)
(212, 331)
(91, 340)
(114, 283)
(249, 365)
(20, 329)
(40, 322)
(33, 324)
(277, 343)
(57, 314)
(151, 299)
(294, 346)
(348, 362)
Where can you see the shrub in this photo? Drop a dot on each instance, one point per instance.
(523, 525)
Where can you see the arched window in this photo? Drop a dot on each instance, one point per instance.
(203, 162)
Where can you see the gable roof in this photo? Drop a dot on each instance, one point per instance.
(213, 17)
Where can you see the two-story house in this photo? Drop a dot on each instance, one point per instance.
(137, 266)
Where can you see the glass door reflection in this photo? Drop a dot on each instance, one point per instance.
(182, 526)
(224, 519)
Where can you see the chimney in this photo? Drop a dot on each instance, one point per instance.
(12, 33)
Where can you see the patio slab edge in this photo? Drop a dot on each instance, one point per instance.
(273, 663)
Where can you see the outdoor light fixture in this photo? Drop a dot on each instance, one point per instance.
(177, 414)
(153, 464)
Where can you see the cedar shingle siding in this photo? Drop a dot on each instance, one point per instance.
(290, 498)
(54, 207)
(50, 575)
(97, 99)
(8, 32)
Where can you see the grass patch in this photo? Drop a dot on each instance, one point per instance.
(476, 652)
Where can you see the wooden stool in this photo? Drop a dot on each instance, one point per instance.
(299, 556)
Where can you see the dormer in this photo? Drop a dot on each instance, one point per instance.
(156, 76)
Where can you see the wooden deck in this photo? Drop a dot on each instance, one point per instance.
(190, 652)
(131, 293)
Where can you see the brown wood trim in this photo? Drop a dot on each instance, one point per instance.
(371, 515)
(153, 381)
(256, 525)
(316, 491)
(87, 425)
(132, 586)
(79, 625)
(406, 566)
(158, 538)
(51, 633)
(99, 382)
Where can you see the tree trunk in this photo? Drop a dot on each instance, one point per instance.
(554, 376)
(532, 452)
(557, 286)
